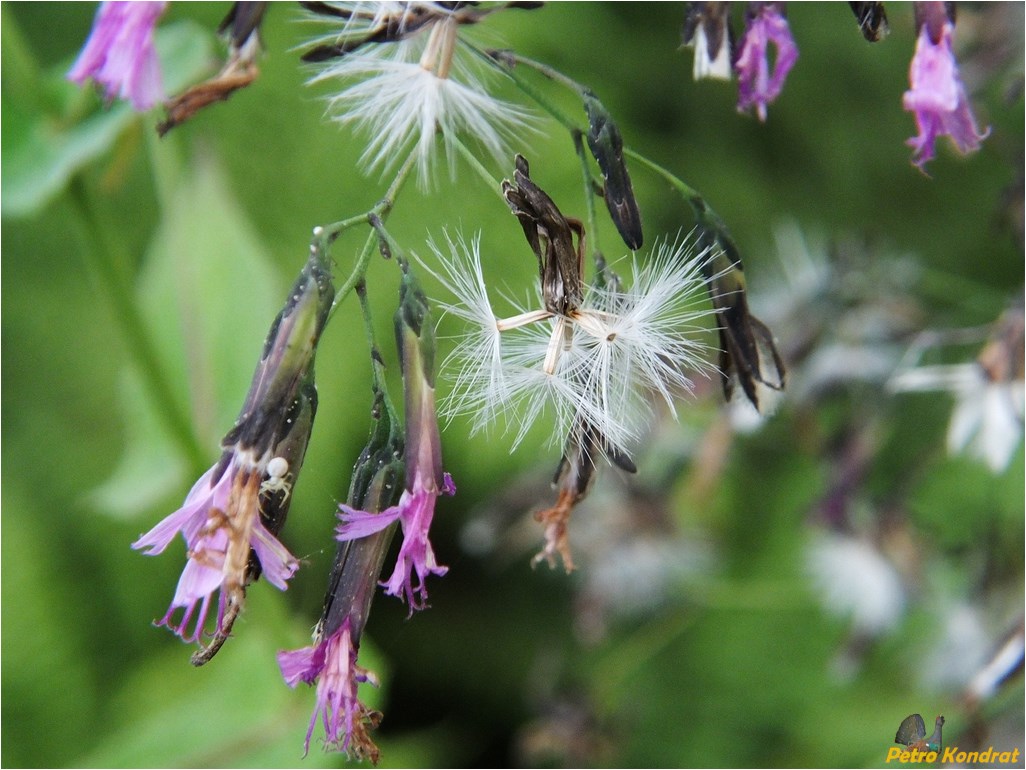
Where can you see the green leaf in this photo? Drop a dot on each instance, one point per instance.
(42, 151)
(208, 292)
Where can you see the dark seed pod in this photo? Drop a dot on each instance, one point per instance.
(748, 354)
(872, 20)
(606, 146)
(551, 236)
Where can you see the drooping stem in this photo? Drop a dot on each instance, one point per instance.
(377, 362)
(550, 73)
(328, 233)
(108, 263)
(528, 88)
(475, 164)
(589, 203)
(690, 194)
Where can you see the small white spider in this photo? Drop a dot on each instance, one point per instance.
(278, 478)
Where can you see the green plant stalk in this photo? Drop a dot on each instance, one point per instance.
(22, 78)
(478, 167)
(328, 233)
(528, 88)
(574, 129)
(104, 261)
(589, 203)
(651, 638)
(377, 364)
(165, 161)
(691, 195)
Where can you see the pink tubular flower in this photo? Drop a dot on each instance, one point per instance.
(414, 512)
(938, 98)
(425, 480)
(119, 53)
(232, 515)
(331, 663)
(765, 24)
(205, 528)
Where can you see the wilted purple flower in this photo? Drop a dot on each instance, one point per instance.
(205, 527)
(331, 663)
(765, 24)
(415, 511)
(425, 480)
(937, 96)
(119, 54)
(232, 515)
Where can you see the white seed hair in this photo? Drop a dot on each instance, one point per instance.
(598, 362)
(401, 105)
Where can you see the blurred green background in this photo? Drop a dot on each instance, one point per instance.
(693, 632)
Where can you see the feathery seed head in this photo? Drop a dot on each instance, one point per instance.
(407, 78)
(592, 365)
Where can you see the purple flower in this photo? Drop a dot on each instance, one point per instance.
(214, 554)
(765, 24)
(425, 480)
(331, 662)
(119, 53)
(232, 515)
(937, 97)
(414, 512)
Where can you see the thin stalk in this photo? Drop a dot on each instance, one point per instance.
(377, 362)
(475, 164)
(356, 276)
(166, 164)
(528, 88)
(550, 73)
(690, 193)
(108, 264)
(328, 233)
(615, 670)
(589, 196)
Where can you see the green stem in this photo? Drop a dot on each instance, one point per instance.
(108, 263)
(589, 195)
(377, 362)
(356, 276)
(166, 164)
(328, 233)
(690, 193)
(971, 295)
(550, 73)
(21, 77)
(528, 88)
(475, 164)
(614, 671)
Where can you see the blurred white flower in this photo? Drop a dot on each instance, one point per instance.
(987, 421)
(959, 648)
(854, 580)
(595, 365)
(407, 78)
